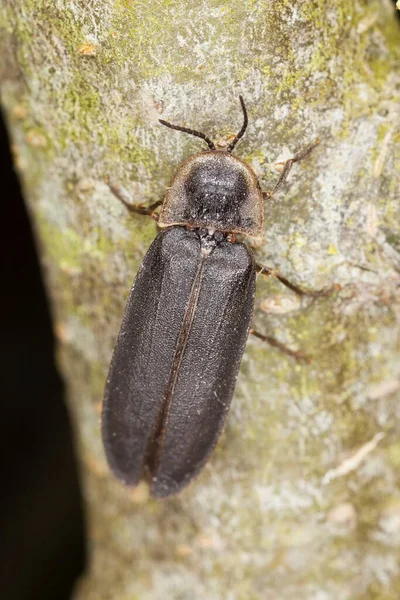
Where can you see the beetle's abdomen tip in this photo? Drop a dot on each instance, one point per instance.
(162, 488)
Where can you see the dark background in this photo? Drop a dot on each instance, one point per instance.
(42, 547)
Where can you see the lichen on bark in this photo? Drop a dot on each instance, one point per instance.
(301, 498)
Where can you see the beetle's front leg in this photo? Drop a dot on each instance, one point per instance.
(287, 165)
(135, 208)
(268, 272)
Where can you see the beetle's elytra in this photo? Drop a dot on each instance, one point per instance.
(175, 363)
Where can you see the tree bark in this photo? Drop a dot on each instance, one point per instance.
(301, 498)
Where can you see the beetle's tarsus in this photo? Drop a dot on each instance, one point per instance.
(135, 208)
(287, 165)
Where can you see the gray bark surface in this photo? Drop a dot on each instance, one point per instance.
(301, 498)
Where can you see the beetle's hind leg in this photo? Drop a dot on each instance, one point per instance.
(297, 354)
(268, 272)
(135, 208)
(287, 165)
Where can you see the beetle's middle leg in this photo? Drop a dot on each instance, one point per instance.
(268, 272)
(135, 208)
(287, 167)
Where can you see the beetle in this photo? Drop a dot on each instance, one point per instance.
(187, 319)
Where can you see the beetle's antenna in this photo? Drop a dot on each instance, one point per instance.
(244, 126)
(207, 140)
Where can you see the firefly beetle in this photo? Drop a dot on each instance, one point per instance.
(187, 319)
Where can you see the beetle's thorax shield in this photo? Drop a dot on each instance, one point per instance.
(214, 190)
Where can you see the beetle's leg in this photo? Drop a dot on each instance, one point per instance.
(287, 166)
(295, 288)
(135, 208)
(300, 356)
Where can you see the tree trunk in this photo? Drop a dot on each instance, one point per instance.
(301, 498)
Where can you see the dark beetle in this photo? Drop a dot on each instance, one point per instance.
(185, 326)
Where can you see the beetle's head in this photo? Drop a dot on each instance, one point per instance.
(214, 190)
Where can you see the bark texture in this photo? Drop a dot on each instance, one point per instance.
(301, 498)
